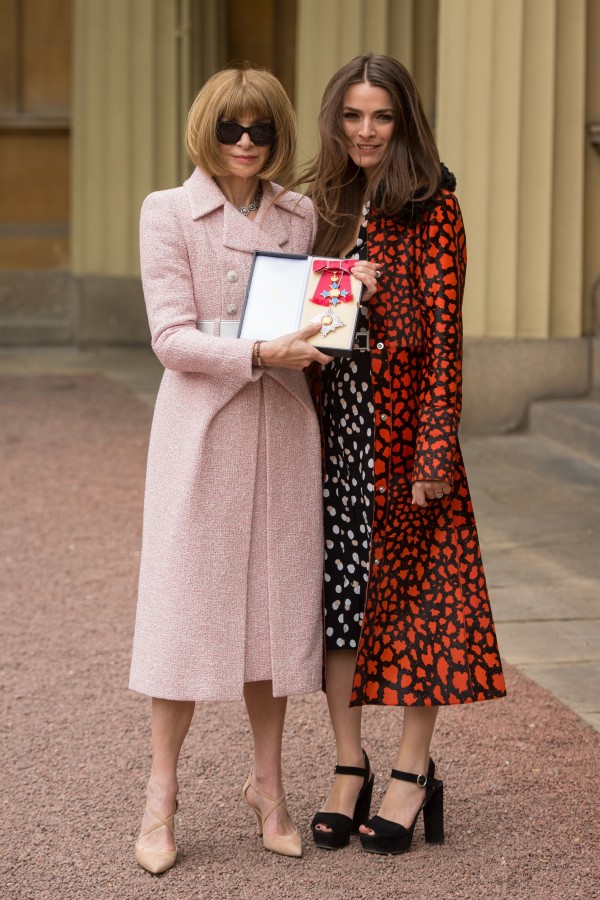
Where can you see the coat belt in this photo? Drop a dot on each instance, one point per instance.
(219, 327)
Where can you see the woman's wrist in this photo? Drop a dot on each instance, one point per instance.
(257, 359)
(267, 357)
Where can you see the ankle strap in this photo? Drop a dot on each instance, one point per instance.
(167, 822)
(354, 770)
(257, 790)
(422, 780)
(274, 801)
(349, 770)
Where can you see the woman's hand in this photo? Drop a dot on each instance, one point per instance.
(422, 491)
(367, 273)
(292, 351)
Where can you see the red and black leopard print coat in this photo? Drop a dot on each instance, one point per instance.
(428, 636)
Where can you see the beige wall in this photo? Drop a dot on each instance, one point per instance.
(511, 123)
(127, 124)
(591, 243)
(139, 64)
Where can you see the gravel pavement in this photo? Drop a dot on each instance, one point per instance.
(521, 774)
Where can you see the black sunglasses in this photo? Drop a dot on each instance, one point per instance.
(261, 134)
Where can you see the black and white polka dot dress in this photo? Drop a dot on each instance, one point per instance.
(347, 409)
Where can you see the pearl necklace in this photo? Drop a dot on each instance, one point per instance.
(255, 203)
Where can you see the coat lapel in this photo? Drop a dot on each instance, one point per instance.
(261, 233)
(240, 233)
(243, 234)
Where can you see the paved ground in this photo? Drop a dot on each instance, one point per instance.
(522, 774)
(538, 512)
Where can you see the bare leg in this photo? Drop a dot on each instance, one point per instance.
(346, 724)
(267, 717)
(402, 799)
(170, 723)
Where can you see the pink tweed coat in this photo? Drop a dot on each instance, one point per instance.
(231, 567)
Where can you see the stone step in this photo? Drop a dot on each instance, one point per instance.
(574, 424)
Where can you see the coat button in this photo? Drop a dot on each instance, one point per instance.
(381, 490)
(231, 308)
(232, 276)
(376, 562)
(384, 417)
(380, 346)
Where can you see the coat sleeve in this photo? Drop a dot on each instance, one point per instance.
(169, 295)
(442, 274)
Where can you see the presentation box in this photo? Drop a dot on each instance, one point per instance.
(287, 292)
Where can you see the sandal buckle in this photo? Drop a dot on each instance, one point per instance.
(422, 780)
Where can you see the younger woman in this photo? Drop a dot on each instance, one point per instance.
(407, 614)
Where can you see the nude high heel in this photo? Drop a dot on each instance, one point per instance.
(156, 861)
(284, 844)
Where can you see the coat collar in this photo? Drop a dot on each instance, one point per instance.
(240, 233)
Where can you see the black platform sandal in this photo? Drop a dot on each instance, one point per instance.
(391, 837)
(343, 826)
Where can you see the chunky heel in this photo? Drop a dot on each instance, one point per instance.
(341, 826)
(362, 810)
(390, 837)
(433, 816)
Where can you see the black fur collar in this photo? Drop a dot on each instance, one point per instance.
(414, 213)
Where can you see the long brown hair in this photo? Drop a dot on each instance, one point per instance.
(410, 172)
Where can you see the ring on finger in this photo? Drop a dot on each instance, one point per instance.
(377, 273)
(438, 496)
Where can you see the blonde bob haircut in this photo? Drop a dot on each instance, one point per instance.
(233, 94)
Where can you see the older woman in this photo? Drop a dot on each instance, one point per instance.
(230, 584)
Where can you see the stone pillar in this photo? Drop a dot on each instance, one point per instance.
(511, 124)
(138, 64)
(126, 125)
(591, 248)
(331, 33)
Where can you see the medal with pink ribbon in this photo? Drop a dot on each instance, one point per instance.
(334, 284)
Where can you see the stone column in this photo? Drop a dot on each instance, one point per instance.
(511, 124)
(592, 181)
(138, 63)
(125, 125)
